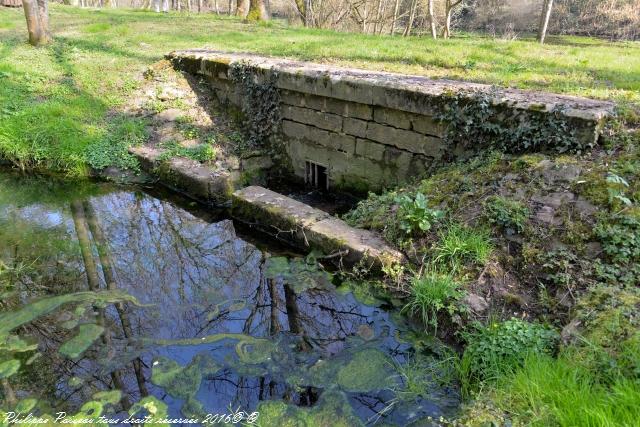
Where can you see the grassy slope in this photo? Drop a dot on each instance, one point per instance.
(97, 57)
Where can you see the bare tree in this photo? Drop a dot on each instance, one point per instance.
(37, 14)
(305, 11)
(396, 9)
(412, 15)
(258, 11)
(242, 7)
(431, 19)
(544, 19)
(449, 7)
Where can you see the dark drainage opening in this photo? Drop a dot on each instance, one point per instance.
(317, 176)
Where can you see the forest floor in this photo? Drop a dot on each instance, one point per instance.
(71, 92)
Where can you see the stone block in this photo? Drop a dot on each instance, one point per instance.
(359, 246)
(349, 89)
(395, 118)
(354, 127)
(428, 126)
(369, 149)
(306, 227)
(334, 141)
(348, 109)
(295, 130)
(399, 160)
(319, 119)
(308, 81)
(406, 140)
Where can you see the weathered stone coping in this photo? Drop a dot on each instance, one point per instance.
(306, 226)
(189, 177)
(415, 94)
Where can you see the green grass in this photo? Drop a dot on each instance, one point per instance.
(432, 293)
(557, 392)
(54, 101)
(459, 244)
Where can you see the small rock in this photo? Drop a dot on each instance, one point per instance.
(232, 162)
(585, 208)
(554, 173)
(256, 163)
(592, 250)
(170, 93)
(555, 200)
(546, 214)
(476, 303)
(366, 332)
(169, 115)
(570, 332)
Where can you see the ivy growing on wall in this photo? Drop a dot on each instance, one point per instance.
(259, 102)
(477, 121)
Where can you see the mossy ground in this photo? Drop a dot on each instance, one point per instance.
(566, 251)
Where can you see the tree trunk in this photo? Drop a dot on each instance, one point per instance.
(257, 11)
(396, 9)
(432, 19)
(110, 280)
(308, 14)
(43, 12)
(242, 7)
(36, 13)
(449, 7)
(80, 222)
(544, 19)
(412, 15)
(303, 11)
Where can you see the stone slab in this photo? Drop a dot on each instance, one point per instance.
(188, 176)
(308, 227)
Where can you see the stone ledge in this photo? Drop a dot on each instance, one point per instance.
(308, 227)
(390, 90)
(187, 176)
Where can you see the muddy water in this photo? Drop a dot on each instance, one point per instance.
(122, 289)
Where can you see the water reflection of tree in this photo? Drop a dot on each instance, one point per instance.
(193, 273)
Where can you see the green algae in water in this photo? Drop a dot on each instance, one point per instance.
(111, 396)
(332, 409)
(15, 344)
(152, 407)
(353, 371)
(363, 292)
(368, 370)
(36, 309)
(194, 409)
(87, 334)
(300, 274)
(9, 368)
(26, 405)
(182, 382)
(232, 305)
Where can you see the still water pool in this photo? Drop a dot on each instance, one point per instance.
(113, 288)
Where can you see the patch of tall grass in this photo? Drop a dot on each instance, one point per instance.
(558, 392)
(459, 244)
(432, 293)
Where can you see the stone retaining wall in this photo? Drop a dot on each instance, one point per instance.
(372, 129)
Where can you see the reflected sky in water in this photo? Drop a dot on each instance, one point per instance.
(194, 280)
